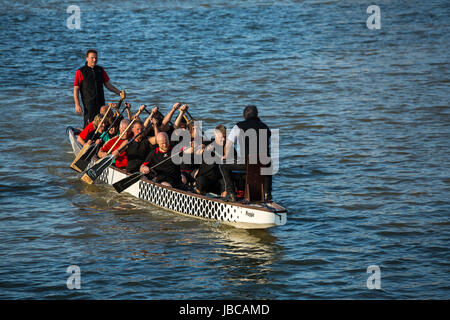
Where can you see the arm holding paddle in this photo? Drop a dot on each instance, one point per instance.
(128, 108)
(144, 169)
(150, 116)
(152, 139)
(112, 88)
(154, 124)
(169, 115)
(183, 110)
(100, 166)
(96, 124)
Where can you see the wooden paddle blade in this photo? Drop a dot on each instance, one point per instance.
(97, 169)
(127, 182)
(87, 179)
(85, 159)
(78, 157)
(80, 165)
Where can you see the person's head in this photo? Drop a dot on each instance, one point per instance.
(183, 123)
(137, 128)
(104, 109)
(220, 133)
(163, 141)
(124, 125)
(91, 57)
(96, 122)
(250, 112)
(113, 130)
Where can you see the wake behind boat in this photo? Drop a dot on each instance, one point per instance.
(250, 215)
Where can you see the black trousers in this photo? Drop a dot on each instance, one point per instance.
(90, 111)
(227, 169)
(207, 184)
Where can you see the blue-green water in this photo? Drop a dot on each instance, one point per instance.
(364, 149)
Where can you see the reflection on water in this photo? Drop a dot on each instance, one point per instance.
(251, 255)
(256, 244)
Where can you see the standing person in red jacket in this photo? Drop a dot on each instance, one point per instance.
(89, 82)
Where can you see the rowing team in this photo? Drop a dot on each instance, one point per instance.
(178, 155)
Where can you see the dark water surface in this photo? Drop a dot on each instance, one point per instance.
(364, 126)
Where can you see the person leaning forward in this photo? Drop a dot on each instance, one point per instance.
(142, 145)
(89, 82)
(249, 150)
(167, 172)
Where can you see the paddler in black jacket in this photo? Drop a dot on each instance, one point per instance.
(167, 173)
(247, 134)
(89, 82)
(208, 177)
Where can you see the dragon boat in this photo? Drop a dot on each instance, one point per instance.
(242, 214)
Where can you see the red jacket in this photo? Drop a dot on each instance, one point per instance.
(86, 131)
(121, 160)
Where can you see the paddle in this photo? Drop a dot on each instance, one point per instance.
(192, 118)
(87, 146)
(127, 182)
(122, 96)
(85, 159)
(97, 169)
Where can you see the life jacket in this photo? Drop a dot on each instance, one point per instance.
(253, 147)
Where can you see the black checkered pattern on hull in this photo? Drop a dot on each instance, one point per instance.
(184, 203)
(104, 176)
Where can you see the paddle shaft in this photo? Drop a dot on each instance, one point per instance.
(190, 116)
(106, 114)
(122, 134)
(103, 119)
